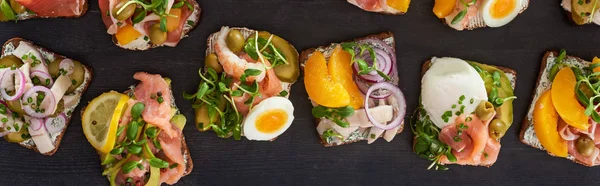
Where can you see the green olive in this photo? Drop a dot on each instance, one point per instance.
(16, 7)
(9, 61)
(585, 146)
(126, 13)
(77, 77)
(497, 129)
(157, 36)
(485, 111)
(15, 106)
(235, 41)
(211, 61)
(14, 137)
(287, 72)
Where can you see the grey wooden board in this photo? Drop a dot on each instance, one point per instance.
(297, 157)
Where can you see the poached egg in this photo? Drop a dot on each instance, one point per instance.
(451, 87)
(269, 119)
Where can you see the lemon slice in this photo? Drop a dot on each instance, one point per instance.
(100, 120)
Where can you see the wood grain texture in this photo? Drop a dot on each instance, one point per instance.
(297, 157)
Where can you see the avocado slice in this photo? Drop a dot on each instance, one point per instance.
(504, 112)
(179, 120)
(107, 159)
(287, 72)
(154, 179)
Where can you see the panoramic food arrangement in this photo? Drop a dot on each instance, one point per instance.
(245, 85)
(465, 109)
(138, 133)
(472, 14)
(16, 10)
(39, 92)
(563, 116)
(141, 25)
(353, 90)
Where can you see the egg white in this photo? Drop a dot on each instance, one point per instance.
(444, 83)
(268, 104)
(498, 22)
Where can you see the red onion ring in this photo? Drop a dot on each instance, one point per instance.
(55, 124)
(42, 75)
(7, 82)
(36, 124)
(384, 64)
(67, 65)
(397, 93)
(364, 88)
(49, 102)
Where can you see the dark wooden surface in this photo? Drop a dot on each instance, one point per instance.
(297, 157)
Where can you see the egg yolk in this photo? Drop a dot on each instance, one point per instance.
(502, 8)
(271, 120)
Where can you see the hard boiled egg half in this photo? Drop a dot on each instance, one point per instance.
(269, 119)
(451, 87)
(497, 13)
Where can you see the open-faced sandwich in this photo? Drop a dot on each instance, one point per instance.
(39, 90)
(582, 12)
(472, 14)
(465, 108)
(353, 89)
(138, 134)
(145, 24)
(245, 85)
(393, 7)
(13, 10)
(563, 117)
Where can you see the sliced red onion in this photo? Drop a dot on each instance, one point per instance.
(47, 105)
(7, 82)
(67, 65)
(364, 87)
(36, 124)
(401, 112)
(55, 124)
(43, 77)
(384, 64)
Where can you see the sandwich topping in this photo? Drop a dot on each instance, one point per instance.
(467, 14)
(565, 114)
(245, 85)
(38, 95)
(466, 107)
(138, 135)
(354, 92)
(19, 9)
(582, 11)
(139, 24)
(383, 6)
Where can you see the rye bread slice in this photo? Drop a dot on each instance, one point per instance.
(509, 72)
(25, 16)
(380, 36)
(195, 16)
(246, 32)
(527, 134)
(189, 166)
(14, 43)
(478, 22)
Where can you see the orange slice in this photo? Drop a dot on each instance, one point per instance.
(565, 102)
(342, 73)
(545, 124)
(321, 88)
(443, 8)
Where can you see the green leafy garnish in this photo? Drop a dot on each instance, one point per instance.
(363, 66)
(158, 7)
(329, 133)
(158, 163)
(461, 15)
(336, 115)
(266, 49)
(427, 144)
(6, 10)
(558, 64)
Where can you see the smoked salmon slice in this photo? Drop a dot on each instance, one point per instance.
(54, 8)
(473, 146)
(148, 91)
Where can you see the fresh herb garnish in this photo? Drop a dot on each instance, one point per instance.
(266, 49)
(427, 144)
(336, 115)
(461, 15)
(329, 133)
(158, 7)
(158, 163)
(363, 66)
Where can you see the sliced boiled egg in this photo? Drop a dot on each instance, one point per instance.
(451, 87)
(497, 13)
(269, 119)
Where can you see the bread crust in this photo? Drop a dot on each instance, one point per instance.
(84, 6)
(306, 53)
(183, 35)
(15, 42)
(525, 125)
(424, 69)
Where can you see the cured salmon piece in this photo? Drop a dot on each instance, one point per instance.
(54, 8)
(474, 146)
(171, 146)
(174, 36)
(151, 87)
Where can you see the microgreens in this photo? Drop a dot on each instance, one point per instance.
(363, 66)
(264, 50)
(461, 15)
(427, 144)
(336, 115)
